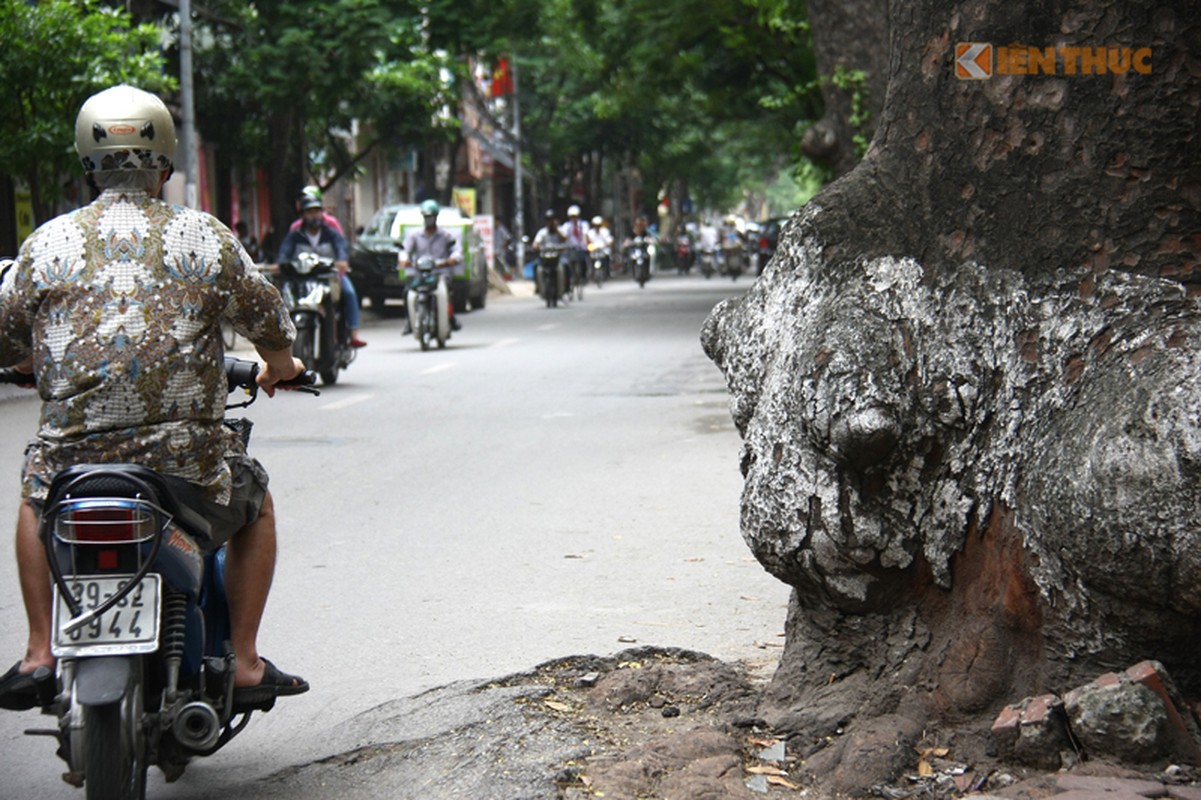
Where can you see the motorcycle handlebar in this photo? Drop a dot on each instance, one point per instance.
(445, 262)
(25, 380)
(240, 373)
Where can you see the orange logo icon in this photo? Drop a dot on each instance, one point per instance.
(973, 61)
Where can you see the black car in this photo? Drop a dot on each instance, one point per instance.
(374, 257)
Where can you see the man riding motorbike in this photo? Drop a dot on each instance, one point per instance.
(137, 375)
(323, 240)
(311, 192)
(576, 232)
(436, 243)
(600, 243)
(551, 234)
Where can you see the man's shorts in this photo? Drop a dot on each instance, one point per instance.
(245, 501)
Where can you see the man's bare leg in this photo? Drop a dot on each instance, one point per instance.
(34, 577)
(249, 569)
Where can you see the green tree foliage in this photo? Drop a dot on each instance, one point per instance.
(714, 97)
(710, 99)
(56, 54)
(288, 83)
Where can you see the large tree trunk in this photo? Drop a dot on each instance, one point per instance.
(969, 385)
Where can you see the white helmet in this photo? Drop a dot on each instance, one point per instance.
(597, 222)
(573, 211)
(124, 128)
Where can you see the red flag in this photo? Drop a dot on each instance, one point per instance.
(502, 79)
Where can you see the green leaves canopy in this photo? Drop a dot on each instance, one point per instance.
(56, 54)
(714, 96)
(314, 71)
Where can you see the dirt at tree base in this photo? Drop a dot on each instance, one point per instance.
(678, 724)
(651, 723)
(666, 723)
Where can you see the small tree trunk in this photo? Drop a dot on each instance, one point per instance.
(285, 175)
(848, 36)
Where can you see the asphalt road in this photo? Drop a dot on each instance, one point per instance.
(555, 482)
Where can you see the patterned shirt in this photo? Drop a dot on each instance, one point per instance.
(120, 305)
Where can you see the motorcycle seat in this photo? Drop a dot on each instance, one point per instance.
(173, 495)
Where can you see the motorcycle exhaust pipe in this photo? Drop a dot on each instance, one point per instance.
(197, 726)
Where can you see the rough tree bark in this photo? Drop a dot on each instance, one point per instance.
(969, 386)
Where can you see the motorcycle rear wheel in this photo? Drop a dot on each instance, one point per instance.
(114, 755)
(302, 347)
(327, 330)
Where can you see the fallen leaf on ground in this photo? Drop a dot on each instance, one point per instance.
(923, 764)
(766, 771)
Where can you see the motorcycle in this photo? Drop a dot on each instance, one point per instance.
(552, 283)
(732, 256)
(428, 304)
(684, 254)
(312, 291)
(751, 259)
(145, 672)
(639, 254)
(708, 261)
(599, 260)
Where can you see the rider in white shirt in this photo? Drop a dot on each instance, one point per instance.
(600, 240)
(575, 230)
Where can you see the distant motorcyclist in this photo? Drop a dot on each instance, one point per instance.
(640, 237)
(709, 243)
(709, 236)
(600, 241)
(314, 193)
(576, 233)
(549, 234)
(436, 243)
(732, 246)
(641, 230)
(323, 240)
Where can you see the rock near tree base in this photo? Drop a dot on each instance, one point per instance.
(1134, 717)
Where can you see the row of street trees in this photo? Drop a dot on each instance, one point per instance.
(709, 105)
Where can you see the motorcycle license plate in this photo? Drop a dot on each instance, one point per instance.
(131, 626)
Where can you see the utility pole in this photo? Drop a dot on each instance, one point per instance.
(518, 194)
(191, 163)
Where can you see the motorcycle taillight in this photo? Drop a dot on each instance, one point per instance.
(105, 521)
